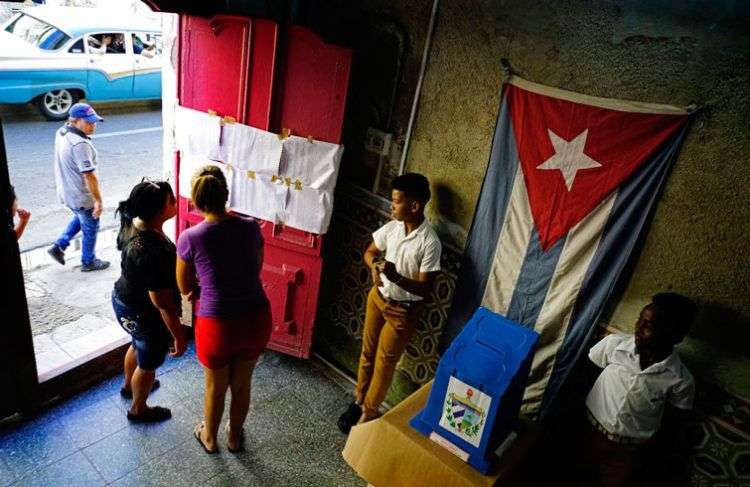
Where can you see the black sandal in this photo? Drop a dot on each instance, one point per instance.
(128, 393)
(197, 433)
(240, 441)
(155, 414)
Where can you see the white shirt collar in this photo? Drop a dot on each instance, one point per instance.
(420, 229)
(669, 363)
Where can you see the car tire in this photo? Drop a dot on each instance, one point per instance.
(55, 104)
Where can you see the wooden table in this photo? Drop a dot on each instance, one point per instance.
(387, 452)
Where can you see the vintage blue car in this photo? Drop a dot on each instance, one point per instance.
(55, 56)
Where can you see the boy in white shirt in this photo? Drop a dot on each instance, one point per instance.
(642, 374)
(401, 282)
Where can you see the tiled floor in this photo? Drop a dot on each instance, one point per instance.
(292, 439)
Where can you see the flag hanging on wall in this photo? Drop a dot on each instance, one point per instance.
(570, 183)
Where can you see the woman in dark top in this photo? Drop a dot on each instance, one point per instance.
(224, 255)
(145, 298)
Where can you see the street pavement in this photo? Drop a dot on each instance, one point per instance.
(129, 145)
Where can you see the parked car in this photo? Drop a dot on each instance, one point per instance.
(55, 56)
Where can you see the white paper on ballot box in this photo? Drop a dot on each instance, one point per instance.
(308, 209)
(314, 163)
(190, 164)
(197, 133)
(250, 148)
(259, 197)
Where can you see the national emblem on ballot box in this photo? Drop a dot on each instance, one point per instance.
(476, 395)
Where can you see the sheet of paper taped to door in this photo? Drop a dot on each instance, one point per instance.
(250, 148)
(197, 133)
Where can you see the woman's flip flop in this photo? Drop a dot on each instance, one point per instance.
(197, 433)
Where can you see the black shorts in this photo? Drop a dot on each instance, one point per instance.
(150, 338)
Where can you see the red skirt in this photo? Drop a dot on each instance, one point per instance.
(220, 339)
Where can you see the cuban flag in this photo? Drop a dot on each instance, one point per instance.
(568, 191)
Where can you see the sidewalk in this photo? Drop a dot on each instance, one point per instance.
(70, 311)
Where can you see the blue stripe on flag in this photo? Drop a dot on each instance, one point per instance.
(533, 282)
(630, 213)
(485, 230)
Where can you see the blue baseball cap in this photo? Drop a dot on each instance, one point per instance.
(84, 111)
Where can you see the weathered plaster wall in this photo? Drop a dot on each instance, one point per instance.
(649, 51)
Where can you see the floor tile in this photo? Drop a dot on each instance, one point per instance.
(74, 470)
(44, 440)
(92, 423)
(122, 452)
(291, 434)
(14, 463)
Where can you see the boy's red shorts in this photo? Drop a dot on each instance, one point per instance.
(219, 339)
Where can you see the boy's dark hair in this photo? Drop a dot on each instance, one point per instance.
(414, 186)
(146, 200)
(209, 190)
(676, 312)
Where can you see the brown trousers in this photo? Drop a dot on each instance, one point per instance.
(604, 462)
(388, 329)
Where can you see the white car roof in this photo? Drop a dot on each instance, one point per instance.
(76, 21)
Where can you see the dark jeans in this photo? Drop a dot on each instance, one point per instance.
(83, 220)
(151, 339)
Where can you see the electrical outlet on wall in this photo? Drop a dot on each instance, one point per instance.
(378, 142)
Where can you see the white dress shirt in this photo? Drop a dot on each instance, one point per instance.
(628, 401)
(414, 253)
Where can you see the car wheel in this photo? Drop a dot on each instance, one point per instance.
(55, 104)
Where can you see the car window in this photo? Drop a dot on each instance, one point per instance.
(106, 43)
(147, 44)
(34, 31)
(77, 47)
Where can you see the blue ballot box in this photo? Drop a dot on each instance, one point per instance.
(475, 398)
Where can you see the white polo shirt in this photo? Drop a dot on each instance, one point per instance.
(629, 401)
(414, 253)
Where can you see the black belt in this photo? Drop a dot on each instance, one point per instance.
(403, 304)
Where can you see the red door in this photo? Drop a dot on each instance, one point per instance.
(227, 65)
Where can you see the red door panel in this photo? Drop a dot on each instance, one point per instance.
(292, 282)
(215, 64)
(314, 86)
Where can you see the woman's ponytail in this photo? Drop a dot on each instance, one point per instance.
(126, 223)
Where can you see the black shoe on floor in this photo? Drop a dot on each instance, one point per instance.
(349, 418)
(57, 253)
(95, 265)
(128, 394)
(155, 414)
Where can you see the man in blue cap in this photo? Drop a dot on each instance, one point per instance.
(78, 186)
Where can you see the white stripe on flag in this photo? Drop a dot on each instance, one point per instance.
(578, 251)
(511, 249)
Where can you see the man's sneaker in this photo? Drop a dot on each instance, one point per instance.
(57, 253)
(95, 265)
(349, 418)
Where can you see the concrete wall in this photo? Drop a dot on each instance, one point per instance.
(652, 51)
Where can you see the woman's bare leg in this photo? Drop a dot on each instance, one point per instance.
(217, 381)
(240, 384)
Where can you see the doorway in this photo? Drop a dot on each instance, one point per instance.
(70, 313)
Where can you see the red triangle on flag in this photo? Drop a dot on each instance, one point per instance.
(574, 155)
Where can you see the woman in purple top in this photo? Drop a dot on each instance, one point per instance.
(221, 259)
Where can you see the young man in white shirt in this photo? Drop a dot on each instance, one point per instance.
(400, 284)
(642, 374)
